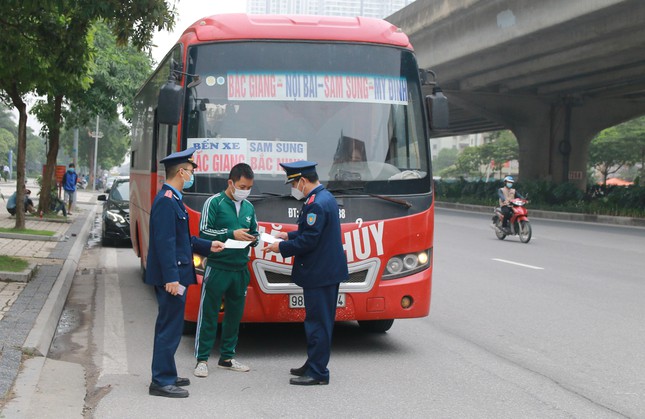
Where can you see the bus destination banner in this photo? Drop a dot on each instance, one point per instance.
(219, 155)
(317, 87)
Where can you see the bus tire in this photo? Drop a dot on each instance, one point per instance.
(376, 326)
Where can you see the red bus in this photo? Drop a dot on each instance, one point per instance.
(344, 92)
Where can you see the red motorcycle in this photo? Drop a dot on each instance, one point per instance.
(518, 225)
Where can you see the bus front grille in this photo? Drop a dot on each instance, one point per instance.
(275, 278)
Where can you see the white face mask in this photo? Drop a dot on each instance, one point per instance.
(297, 193)
(240, 194)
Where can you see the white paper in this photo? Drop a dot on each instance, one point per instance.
(236, 244)
(267, 238)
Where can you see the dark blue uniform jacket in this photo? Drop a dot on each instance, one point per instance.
(317, 246)
(171, 247)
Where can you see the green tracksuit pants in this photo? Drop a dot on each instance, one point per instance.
(217, 284)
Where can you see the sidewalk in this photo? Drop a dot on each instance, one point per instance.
(29, 312)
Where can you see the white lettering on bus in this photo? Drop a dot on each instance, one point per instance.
(358, 244)
(357, 249)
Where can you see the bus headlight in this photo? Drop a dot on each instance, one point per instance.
(407, 264)
(394, 265)
(199, 263)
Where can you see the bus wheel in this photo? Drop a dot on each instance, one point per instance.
(190, 328)
(376, 326)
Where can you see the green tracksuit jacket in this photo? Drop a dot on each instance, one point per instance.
(219, 221)
(226, 275)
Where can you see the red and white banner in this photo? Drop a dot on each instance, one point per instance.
(219, 155)
(317, 87)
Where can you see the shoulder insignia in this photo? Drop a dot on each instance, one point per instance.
(168, 194)
(311, 219)
(311, 199)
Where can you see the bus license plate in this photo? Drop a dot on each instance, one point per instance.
(298, 301)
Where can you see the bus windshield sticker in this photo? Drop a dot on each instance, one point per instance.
(317, 87)
(219, 155)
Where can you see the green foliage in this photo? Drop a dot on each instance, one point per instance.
(597, 199)
(471, 162)
(619, 146)
(113, 146)
(446, 158)
(501, 149)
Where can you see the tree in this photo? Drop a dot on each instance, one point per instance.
(46, 46)
(117, 74)
(445, 158)
(470, 160)
(113, 146)
(609, 151)
(633, 134)
(501, 149)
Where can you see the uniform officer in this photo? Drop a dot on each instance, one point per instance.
(170, 269)
(319, 266)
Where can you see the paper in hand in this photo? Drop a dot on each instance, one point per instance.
(236, 244)
(267, 238)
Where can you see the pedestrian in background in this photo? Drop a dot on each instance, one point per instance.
(226, 215)
(319, 266)
(70, 179)
(170, 269)
(28, 203)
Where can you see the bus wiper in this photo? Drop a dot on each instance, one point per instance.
(385, 198)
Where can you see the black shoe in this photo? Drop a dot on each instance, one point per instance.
(299, 372)
(182, 382)
(167, 391)
(305, 380)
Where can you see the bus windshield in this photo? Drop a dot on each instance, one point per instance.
(355, 109)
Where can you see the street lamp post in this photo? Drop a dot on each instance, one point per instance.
(96, 135)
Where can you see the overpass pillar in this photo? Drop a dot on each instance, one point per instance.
(553, 134)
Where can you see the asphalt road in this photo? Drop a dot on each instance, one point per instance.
(549, 329)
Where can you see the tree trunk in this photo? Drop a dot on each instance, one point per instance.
(52, 153)
(22, 151)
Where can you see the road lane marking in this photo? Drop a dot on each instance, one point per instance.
(518, 264)
(115, 356)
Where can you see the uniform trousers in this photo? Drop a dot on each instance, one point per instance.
(168, 331)
(320, 310)
(217, 284)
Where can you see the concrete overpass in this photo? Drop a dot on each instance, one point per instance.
(555, 72)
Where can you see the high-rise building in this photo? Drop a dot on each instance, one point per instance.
(368, 8)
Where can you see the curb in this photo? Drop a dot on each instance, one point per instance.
(42, 333)
(54, 238)
(23, 276)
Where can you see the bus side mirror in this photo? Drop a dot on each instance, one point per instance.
(171, 98)
(437, 108)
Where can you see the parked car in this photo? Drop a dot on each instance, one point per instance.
(110, 181)
(116, 213)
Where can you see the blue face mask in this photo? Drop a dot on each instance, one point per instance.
(189, 183)
(509, 185)
(71, 169)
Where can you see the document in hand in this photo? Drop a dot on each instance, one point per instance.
(236, 244)
(267, 238)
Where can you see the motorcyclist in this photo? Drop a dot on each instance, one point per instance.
(506, 194)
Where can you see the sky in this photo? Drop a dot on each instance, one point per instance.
(188, 12)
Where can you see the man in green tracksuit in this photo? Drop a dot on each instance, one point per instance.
(227, 215)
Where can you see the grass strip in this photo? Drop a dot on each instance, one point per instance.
(27, 231)
(12, 264)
